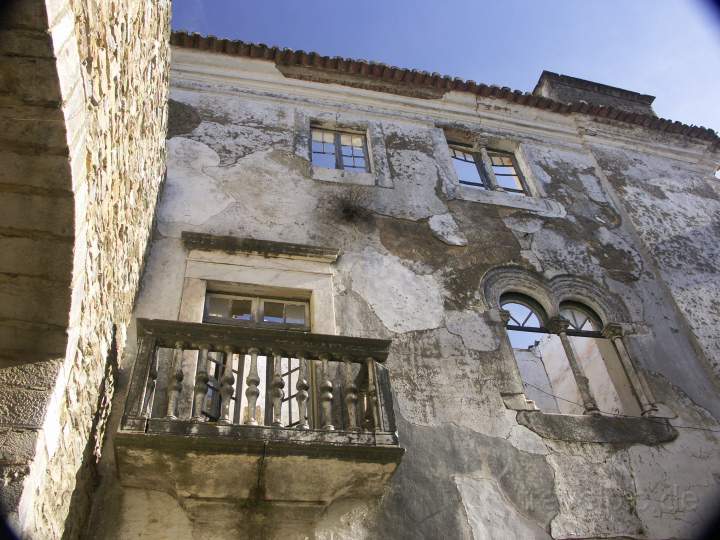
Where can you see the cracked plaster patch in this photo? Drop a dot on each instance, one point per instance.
(490, 514)
(472, 329)
(445, 229)
(403, 300)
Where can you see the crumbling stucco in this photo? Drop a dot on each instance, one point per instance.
(411, 267)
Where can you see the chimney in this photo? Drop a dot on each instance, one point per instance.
(572, 90)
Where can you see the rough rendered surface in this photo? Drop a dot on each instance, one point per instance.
(634, 232)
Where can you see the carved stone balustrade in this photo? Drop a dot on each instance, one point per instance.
(230, 412)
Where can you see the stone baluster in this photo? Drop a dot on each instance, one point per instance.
(559, 326)
(351, 396)
(252, 392)
(326, 395)
(614, 332)
(151, 384)
(227, 382)
(302, 395)
(374, 411)
(276, 389)
(201, 385)
(175, 382)
(365, 408)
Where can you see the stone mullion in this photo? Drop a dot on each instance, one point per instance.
(559, 326)
(641, 389)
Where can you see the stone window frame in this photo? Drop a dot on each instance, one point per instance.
(378, 174)
(337, 148)
(253, 271)
(550, 295)
(534, 200)
(482, 159)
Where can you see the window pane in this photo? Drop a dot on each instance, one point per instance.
(218, 307)
(241, 310)
(324, 160)
(509, 182)
(357, 140)
(295, 314)
(467, 172)
(347, 150)
(501, 160)
(273, 312)
(346, 140)
(505, 171)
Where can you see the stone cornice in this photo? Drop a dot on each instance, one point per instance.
(380, 77)
(252, 246)
(195, 70)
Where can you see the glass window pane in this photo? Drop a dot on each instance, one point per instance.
(273, 312)
(521, 315)
(295, 314)
(346, 140)
(505, 171)
(317, 135)
(509, 182)
(360, 163)
(467, 172)
(292, 390)
(324, 160)
(241, 310)
(357, 140)
(218, 306)
(347, 151)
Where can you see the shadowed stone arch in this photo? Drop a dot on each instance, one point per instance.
(606, 305)
(513, 279)
(551, 293)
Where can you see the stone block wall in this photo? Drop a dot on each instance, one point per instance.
(111, 61)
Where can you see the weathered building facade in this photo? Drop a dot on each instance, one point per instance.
(454, 234)
(388, 304)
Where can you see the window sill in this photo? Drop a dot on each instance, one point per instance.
(343, 177)
(543, 207)
(598, 429)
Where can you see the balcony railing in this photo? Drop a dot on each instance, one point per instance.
(259, 384)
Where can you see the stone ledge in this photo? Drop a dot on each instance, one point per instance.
(187, 435)
(252, 246)
(598, 429)
(541, 206)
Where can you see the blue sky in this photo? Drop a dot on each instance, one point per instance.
(666, 48)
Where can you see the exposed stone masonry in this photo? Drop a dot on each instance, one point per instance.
(111, 64)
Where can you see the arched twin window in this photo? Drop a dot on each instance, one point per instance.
(566, 363)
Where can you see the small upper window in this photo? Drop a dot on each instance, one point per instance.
(339, 150)
(487, 169)
(466, 166)
(231, 309)
(506, 172)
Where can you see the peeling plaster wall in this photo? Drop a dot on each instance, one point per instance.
(470, 471)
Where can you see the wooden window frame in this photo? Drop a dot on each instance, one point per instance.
(339, 165)
(257, 313)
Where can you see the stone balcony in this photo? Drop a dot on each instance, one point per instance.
(222, 412)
